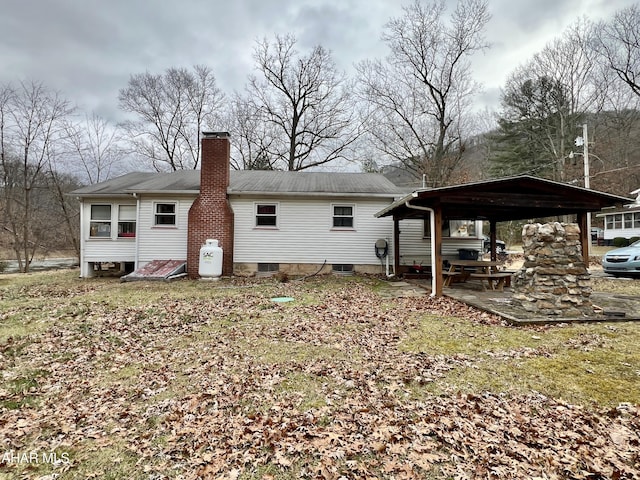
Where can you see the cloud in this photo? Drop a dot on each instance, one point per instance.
(88, 49)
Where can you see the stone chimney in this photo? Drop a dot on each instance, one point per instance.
(554, 280)
(211, 215)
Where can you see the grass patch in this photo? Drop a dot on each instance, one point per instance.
(310, 390)
(22, 391)
(580, 363)
(276, 352)
(456, 336)
(142, 380)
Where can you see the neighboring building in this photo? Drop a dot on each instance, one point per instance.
(623, 223)
(265, 221)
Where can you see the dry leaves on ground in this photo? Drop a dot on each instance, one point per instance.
(236, 386)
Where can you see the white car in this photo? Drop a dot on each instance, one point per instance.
(623, 261)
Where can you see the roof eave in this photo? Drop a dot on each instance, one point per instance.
(386, 211)
(310, 194)
(165, 192)
(101, 195)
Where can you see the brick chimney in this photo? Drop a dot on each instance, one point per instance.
(211, 215)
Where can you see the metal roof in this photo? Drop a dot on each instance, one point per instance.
(248, 182)
(115, 186)
(256, 181)
(510, 198)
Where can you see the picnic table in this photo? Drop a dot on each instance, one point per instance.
(483, 270)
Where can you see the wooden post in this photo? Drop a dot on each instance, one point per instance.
(585, 236)
(492, 239)
(396, 245)
(436, 267)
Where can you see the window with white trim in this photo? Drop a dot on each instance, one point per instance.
(165, 215)
(100, 222)
(266, 215)
(617, 221)
(343, 216)
(459, 228)
(126, 221)
(628, 220)
(452, 228)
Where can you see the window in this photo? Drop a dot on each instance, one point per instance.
(266, 215)
(462, 228)
(617, 221)
(609, 222)
(628, 220)
(342, 268)
(426, 227)
(268, 267)
(165, 214)
(452, 228)
(343, 216)
(636, 220)
(100, 223)
(126, 221)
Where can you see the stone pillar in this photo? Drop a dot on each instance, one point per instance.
(554, 279)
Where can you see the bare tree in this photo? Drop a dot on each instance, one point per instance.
(418, 96)
(544, 102)
(172, 109)
(304, 102)
(94, 149)
(253, 137)
(31, 122)
(618, 42)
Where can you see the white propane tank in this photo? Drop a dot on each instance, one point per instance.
(210, 266)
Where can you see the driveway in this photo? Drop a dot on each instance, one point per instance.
(42, 264)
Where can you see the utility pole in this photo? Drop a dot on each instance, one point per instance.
(585, 154)
(584, 142)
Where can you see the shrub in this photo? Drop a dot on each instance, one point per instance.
(619, 242)
(633, 240)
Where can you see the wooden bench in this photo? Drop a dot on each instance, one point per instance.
(507, 281)
(498, 277)
(450, 277)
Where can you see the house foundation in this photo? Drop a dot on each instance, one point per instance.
(301, 269)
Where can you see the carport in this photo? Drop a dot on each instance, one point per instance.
(511, 198)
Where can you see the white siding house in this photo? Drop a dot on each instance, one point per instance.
(341, 229)
(141, 217)
(623, 223)
(290, 219)
(415, 240)
(158, 240)
(101, 231)
(293, 222)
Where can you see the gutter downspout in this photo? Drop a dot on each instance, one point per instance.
(83, 271)
(432, 224)
(137, 251)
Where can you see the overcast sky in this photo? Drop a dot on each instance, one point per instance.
(87, 49)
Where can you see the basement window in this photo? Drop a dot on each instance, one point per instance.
(342, 268)
(268, 267)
